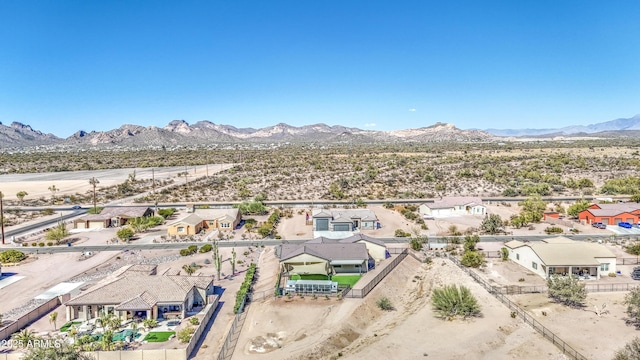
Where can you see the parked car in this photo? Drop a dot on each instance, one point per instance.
(596, 224)
(76, 207)
(625, 225)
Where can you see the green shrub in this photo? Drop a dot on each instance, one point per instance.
(205, 248)
(401, 233)
(194, 321)
(473, 259)
(245, 287)
(384, 304)
(185, 334)
(12, 256)
(567, 290)
(451, 301)
(553, 230)
(41, 244)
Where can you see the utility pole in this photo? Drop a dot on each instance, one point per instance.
(93, 181)
(2, 216)
(186, 181)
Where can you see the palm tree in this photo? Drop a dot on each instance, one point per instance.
(150, 323)
(53, 317)
(106, 342)
(24, 337)
(62, 351)
(93, 181)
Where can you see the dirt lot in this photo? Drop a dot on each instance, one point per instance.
(357, 329)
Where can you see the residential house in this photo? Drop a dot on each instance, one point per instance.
(344, 220)
(136, 291)
(611, 214)
(112, 217)
(563, 256)
(327, 258)
(205, 220)
(451, 206)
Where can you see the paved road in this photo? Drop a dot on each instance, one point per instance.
(268, 242)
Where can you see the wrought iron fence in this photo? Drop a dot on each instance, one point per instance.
(528, 319)
(361, 293)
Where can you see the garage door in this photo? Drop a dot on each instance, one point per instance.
(341, 227)
(617, 221)
(322, 224)
(605, 221)
(96, 224)
(80, 225)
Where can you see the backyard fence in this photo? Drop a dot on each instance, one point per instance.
(361, 293)
(32, 316)
(195, 338)
(528, 319)
(232, 337)
(627, 261)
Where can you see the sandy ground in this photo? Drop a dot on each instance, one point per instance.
(355, 329)
(71, 182)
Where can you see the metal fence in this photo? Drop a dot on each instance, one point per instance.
(232, 337)
(361, 293)
(627, 261)
(528, 319)
(590, 288)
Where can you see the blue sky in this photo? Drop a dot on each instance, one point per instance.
(95, 65)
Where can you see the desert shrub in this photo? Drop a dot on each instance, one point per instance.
(567, 290)
(401, 233)
(492, 224)
(384, 304)
(504, 252)
(451, 301)
(166, 213)
(631, 351)
(417, 242)
(632, 301)
(473, 259)
(194, 321)
(205, 248)
(12, 256)
(125, 233)
(633, 249)
(41, 244)
(185, 334)
(553, 230)
(57, 233)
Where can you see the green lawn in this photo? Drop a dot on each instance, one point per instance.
(346, 279)
(158, 336)
(68, 326)
(342, 280)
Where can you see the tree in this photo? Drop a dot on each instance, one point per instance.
(492, 224)
(21, 195)
(532, 208)
(631, 351)
(53, 318)
(635, 198)
(150, 323)
(57, 233)
(62, 351)
(125, 234)
(470, 242)
(53, 190)
(24, 338)
(93, 181)
(188, 269)
(473, 259)
(451, 301)
(579, 206)
(632, 301)
(106, 341)
(567, 290)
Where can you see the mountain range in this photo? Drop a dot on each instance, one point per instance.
(622, 124)
(181, 133)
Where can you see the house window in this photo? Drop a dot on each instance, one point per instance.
(517, 256)
(534, 265)
(225, 225)
(604, 267)
(180, 229)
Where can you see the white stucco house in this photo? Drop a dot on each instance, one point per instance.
(451, 206)
(341, 223)
(563, 256)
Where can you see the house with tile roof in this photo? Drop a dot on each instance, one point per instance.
(611, 214)
(452, 206)
(344, 221)
(137, 292)
(205, 220)
(563, 256)
(109, 217)
(325, 257)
